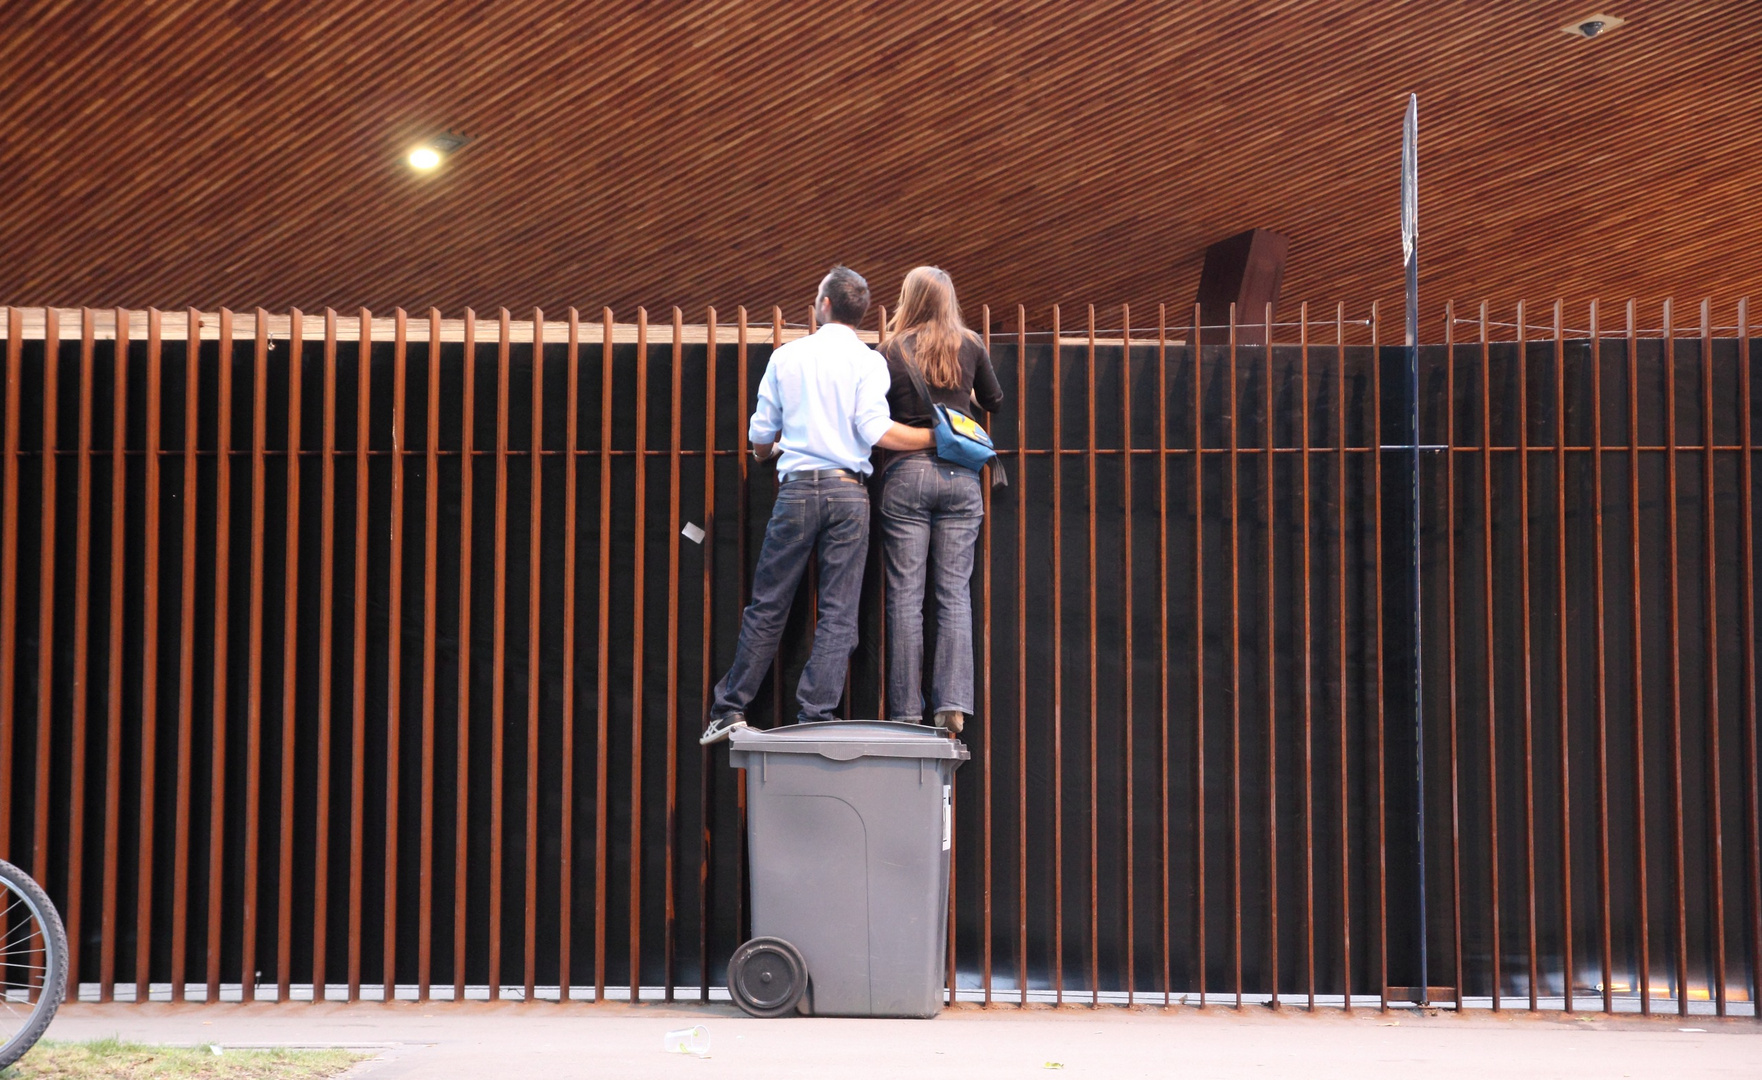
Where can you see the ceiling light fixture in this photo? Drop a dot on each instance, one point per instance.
(1592, 26)
(428, 156)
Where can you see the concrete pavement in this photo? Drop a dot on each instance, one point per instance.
(476, 1039)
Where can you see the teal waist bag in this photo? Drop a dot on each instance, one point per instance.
(960, 440)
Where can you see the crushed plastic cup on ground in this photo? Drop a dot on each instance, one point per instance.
(691, 1040)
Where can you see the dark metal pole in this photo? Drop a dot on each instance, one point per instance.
(1410, 251)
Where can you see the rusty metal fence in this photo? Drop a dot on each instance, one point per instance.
(368, 655)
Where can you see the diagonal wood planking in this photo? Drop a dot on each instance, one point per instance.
(243, 154)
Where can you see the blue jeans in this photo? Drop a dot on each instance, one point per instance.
(930, 517)
(830, 514)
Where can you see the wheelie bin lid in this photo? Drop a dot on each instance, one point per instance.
(847, 740)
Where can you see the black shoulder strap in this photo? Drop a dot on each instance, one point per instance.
(911, 368)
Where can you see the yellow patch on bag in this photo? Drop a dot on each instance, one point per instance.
(965, 425)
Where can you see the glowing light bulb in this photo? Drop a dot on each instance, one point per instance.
(424, 158)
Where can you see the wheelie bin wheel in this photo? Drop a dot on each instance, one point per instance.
(767, 977)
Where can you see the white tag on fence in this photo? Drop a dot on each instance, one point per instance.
(693, 533)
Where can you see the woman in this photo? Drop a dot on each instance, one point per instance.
(930, 509)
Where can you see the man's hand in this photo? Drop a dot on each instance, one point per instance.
(900, 437)
(764, 451)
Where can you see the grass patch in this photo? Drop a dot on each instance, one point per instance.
(116, 1060)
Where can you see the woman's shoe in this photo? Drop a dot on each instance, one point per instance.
(951, 720)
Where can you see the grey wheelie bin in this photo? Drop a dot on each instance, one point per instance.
(848, 834)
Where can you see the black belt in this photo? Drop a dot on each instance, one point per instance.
(818, 474)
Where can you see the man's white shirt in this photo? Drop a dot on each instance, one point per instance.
(823, 401)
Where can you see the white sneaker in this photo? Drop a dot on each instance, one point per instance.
(951, 721)
(721, 728)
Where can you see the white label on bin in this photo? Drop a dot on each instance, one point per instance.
(947, 817)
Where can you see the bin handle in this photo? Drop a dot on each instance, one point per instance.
(841, 753)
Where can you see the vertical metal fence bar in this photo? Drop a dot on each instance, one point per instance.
(1603, 903)
(602, 688)
(1642, 921)
(744, 464)
(358, 643)
(1308, 669)
(45, 719)
(1562, 714)
(1199, 833)
(1376, 458)
(284, 951)
(113, 671)
(566, 826)
(1679, 933)
(149, 744)
(1746, 479)
(1529, 780)
(222, 560)
(1162, 633)
(1094, 621)
(254, 691)
(326, 619)
(186, 637)
(1450, 616)
(534, 603)
(394, 666)
(9, 564)
(639, 495)
(1126, 617)
(1272, 726)
(430, 590)
(707, 649)
(1058, 809)
(777, 660)
(81, 688)
(1715, 801)
(498, 703)
(462, 724)
(880, 576)
(1235, 674)
(675, 427)
(1021, 495)
(1340, 642)
(985, 718)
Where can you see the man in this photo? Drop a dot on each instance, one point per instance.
(822, 405)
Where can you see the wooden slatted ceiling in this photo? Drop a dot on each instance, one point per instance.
(209, 153)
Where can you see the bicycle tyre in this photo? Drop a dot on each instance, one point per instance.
(24, 889)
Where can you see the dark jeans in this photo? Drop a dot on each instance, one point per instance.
(831, 515)
(930, 517)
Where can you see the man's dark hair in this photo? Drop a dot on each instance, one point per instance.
(849, 295)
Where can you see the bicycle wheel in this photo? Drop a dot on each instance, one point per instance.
(33, 962)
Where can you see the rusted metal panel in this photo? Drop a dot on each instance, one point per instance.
(218, 785)
(430, 593)
(113, 692)
(254, 636)
(462, 720)
(358, 657)
(639, 495)
(9, 562)
(290, 640)
(602, 750)
(498, 662)
(394, 660)
(566, 848)
(534, 604)
(45, 720)
(326, 622)
(149, 715)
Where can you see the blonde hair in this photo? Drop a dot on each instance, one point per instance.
(930, 317)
